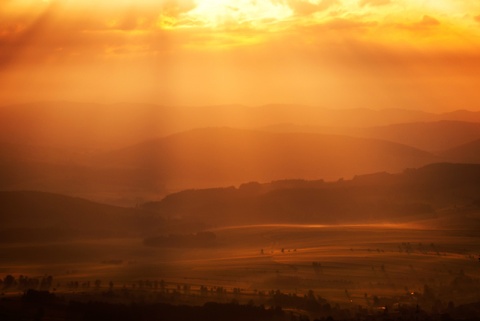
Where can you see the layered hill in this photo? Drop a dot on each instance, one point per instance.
(85, 127)
(39, 216)
(434, 192)
(430, 136)
(112, 152)
(226, 156)
(435, 136)
(466, 153)
(438, 194)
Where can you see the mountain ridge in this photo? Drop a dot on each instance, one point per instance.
(93, 126)
(433, 192)
(243, 155)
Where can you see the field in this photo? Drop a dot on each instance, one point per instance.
(345, 264)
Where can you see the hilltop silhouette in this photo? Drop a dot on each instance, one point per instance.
(40, 216)
(426, 193)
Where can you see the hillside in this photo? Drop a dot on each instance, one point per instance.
(428, 193)
(28, 215)
(224, 156)
(86, 127)
(120, 186)
(433, 136)
(112, 153)
(466, 153)
(208, 157)
(429, 136)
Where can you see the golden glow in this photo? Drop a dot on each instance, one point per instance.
(214, 13)
(214, 51)
(373, 18)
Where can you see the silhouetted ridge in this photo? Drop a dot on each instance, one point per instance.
(412, 195)
(29, 215)
(466, 153)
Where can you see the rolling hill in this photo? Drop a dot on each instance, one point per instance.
(224, 156)
(434, 192)
(429, 136)
(86, 127)
(40, 216)
(435, 136)
(109, 152)
(466, 153)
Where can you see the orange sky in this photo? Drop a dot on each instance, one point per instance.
(331, 53)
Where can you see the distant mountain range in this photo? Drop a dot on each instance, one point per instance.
(123, 153)
(213, 157)
(225, 156)
(437, 193)
(85, 127)
(466, 153)
(435, 136)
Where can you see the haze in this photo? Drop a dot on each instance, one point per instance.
(239, 160)
(396, 54)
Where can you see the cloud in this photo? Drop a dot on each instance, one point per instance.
(177, 7)
(349, 24)
(374, 3)
(428, 21)
(17, 36)
(59, 33)
(346, 26)
(303, 7)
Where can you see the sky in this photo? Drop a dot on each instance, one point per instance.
(422, 55)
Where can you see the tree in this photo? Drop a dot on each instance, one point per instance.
(8, 281)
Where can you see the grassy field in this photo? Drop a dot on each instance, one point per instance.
(342, 263)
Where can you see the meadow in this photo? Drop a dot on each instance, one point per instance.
(352, 265)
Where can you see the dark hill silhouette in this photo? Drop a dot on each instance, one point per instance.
(225, 156)
(466, 153)
(415, 194)
(29, 215)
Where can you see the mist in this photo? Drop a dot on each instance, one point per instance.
(232, 160)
